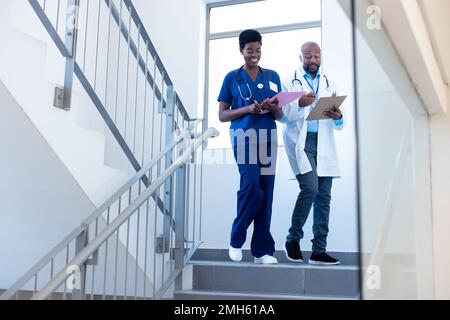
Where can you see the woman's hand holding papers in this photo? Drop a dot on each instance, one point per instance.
(269, 105)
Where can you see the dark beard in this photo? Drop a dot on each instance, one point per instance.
(307, 68)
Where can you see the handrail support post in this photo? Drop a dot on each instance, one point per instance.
(63, 96)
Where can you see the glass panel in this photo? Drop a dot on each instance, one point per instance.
(394, 171)
(263, 14)
(225, 56)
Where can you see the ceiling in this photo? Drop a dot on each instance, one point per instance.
(436, 15)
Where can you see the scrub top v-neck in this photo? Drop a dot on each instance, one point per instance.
(231, 95)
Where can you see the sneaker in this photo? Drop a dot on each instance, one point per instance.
(235, 254)
(293, 252)
(266, 260)
(323, 259)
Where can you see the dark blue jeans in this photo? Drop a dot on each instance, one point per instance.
(315, 191)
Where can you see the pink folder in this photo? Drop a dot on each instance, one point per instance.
(285, 98)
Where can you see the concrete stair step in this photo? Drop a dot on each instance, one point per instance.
(346, 258)
(280, 279)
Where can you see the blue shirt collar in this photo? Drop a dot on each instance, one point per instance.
(308, 76)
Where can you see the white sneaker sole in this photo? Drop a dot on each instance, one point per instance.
(290, 259)
(261, 262)
(235, 255)
(320, 263)
(266, 260)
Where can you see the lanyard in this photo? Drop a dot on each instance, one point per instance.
(311, 85)
(313, 124)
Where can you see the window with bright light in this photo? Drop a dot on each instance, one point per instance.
(284, 24)
(263, 14)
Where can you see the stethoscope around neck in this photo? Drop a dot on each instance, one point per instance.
(296, 79)
(240, 80)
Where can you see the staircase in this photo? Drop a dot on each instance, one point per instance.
(142, 241)
(111, 68)
(215, 277)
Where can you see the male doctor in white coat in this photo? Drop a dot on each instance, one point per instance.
(311, 149)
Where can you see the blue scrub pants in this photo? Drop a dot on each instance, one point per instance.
(254, 199)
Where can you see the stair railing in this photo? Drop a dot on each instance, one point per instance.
(114, 253)
(108, 49)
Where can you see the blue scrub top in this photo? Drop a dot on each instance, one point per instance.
(230, 94)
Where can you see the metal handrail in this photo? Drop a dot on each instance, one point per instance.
(49, 28)
(97, 213)
(79, 72)
(137, 20)
(93, 246)
(150, 48)
(19, 284)
(168, 103)
(108, 121)
(87, 86)
(138, 175)
(90, 90)
(134, 49)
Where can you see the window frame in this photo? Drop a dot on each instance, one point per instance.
(231, 34)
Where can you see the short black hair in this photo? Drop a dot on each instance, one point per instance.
(249, 36)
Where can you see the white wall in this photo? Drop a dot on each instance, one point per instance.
(39, 199)
(407, 29)
(221, 182)
(440, 135)
(31, 67)
(396, 227)
(338, 65)
(41, 203)
(176, 30)
(417, 30)
(437, 22)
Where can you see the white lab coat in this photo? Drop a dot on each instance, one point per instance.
(295, 131)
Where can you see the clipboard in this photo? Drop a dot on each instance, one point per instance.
(324, 104)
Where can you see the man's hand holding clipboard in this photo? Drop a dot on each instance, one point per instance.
(326, 108)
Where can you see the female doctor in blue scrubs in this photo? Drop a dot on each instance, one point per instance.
(245, 101)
